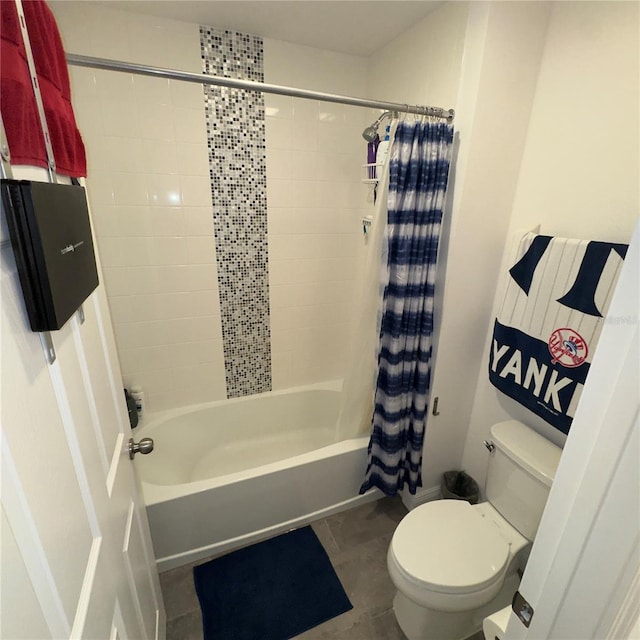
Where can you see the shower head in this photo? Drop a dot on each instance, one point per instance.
(371, 132)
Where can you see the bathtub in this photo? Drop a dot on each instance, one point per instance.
(226, 474)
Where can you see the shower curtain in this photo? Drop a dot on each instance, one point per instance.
(418, 173)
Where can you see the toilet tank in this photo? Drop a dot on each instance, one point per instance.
(521, 469)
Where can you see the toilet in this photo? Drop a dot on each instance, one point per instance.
(453, 563)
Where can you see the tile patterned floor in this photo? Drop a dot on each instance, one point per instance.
(356, 541)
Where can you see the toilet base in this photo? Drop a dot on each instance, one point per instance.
(420, 623)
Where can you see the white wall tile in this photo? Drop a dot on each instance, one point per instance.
(189, 125)
(198, 221)
(151, 382)
(164, 190)
(114, 86)
(278, 133)
(282, 370)
(110, 250)
(117, 281)
(192, 329)
(350, 245)
(201, 277)
(196, 190)
(195, 376)
(303, 165)
(282, 296)
(305, 192)
(155, 121)
(192, 158)
(200, 250)
(158, 156)
(168, 250)
(105, 220)
(279, 193)
(184, 50)
(203, 303)
(149, 307)
(118, 153)
(167, 221)
(147, 89)
(279, 165)
(100, 190)
(282, 340)
(119, 118)
(88, 112)
(321, 315)
(283, 318)
(142, 359)
(304, 136)
(133, 220)
(186, 94)
(136, 251)
(173, 278)
(134, 335)
(307, 110)
(331, 112)
(276, 106)
(129, 189)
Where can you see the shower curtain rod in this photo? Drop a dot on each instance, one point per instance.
(173, 74)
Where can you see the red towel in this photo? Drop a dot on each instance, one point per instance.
(17, 102)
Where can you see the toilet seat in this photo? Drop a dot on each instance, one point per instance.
(446, 548)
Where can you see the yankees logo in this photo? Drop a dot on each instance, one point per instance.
(567, 347)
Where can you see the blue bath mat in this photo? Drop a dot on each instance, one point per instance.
(273, 590)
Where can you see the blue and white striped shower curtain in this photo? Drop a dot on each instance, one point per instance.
(418, 173)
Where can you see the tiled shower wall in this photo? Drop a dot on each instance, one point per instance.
(150, 191)
(315, 206)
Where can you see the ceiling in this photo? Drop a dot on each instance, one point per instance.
(358, 27)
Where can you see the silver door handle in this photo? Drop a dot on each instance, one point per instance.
(144, 447)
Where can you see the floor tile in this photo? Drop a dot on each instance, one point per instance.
(322, 530)
(186, 627)
(179, 591)
(366, 522)
(363, 573)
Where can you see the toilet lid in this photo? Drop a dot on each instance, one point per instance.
(449, 547)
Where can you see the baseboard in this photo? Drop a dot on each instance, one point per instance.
(411, 501)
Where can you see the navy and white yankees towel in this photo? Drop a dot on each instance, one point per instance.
(549, 322)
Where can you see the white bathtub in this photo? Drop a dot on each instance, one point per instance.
(225, 474)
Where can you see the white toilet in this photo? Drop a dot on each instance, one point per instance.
(454, 563)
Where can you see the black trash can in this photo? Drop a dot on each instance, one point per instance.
(458, 485)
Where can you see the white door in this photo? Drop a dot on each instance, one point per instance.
(583, 575)
(77, 560)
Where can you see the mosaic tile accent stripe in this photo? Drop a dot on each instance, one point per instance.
(237, 167)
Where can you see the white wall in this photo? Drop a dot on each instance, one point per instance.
(422, 66)
(580, 169)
